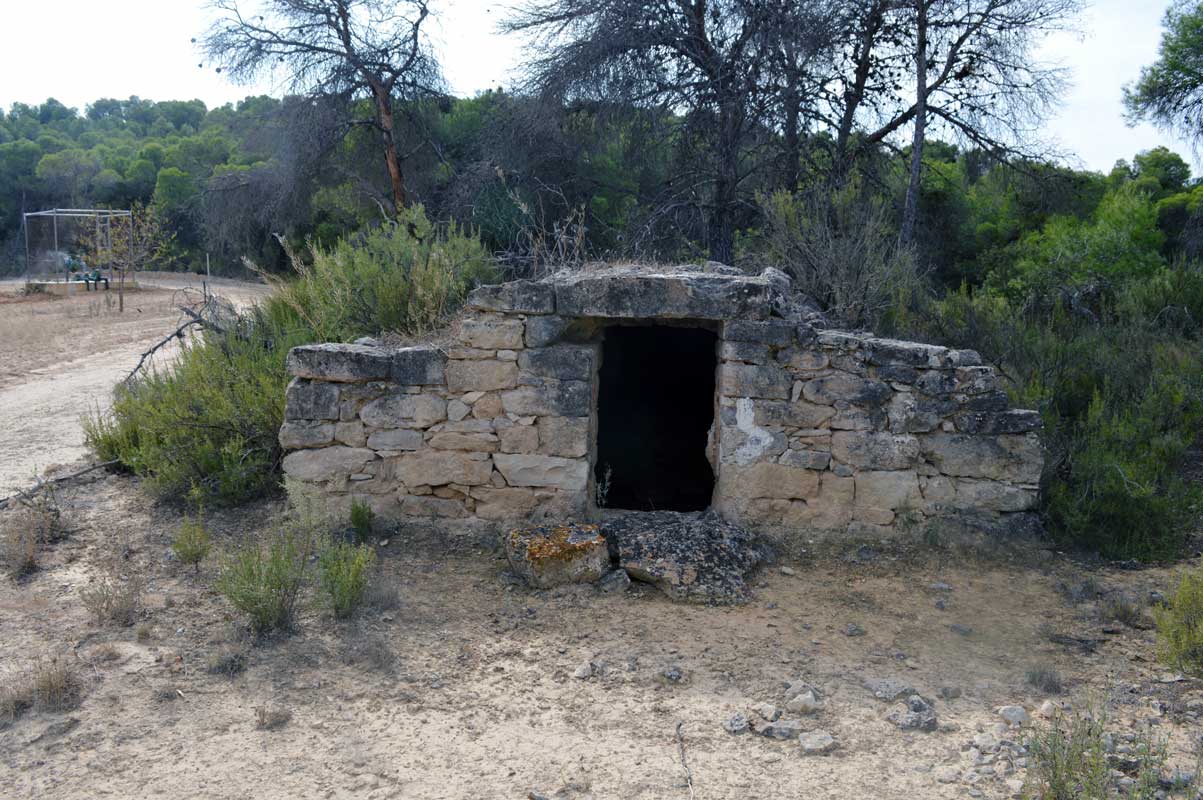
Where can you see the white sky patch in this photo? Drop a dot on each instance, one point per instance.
(78, 51)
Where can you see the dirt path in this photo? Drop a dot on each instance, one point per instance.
(61, 358)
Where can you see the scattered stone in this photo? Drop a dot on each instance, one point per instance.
(584, 671)
(1048, 709)
(673, 674)
(805, 703)
(940, 604)
(691, 557)
(950, 692)
(986, 742)
(787, 571)
(948, 775)
(862, 555)
(553, 555)
(960, 630)
(914, 714)
(888, 689)
(778, 729)
(737, 724)
(767, 712)
(1014, 715)
(615, 581)
(940, 586)
(816, 742)
(852, 629)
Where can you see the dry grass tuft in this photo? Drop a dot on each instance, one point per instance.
(23, 532)
(49, 684)
(270, 718)
(112, 601)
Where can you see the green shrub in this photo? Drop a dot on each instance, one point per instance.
(191, 544)
(345, 571)
(1180, 625)
(362, 518)
(211, 419)
(264, 580)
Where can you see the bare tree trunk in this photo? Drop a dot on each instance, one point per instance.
(793, 150)
(910, 210)
(384, 117)
(721, 235)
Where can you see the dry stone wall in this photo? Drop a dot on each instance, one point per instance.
(815, 430)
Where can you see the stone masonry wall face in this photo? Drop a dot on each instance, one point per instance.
(816, 430)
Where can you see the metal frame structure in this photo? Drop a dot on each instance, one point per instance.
(98, 214)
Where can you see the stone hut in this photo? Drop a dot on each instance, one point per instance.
(679, 389)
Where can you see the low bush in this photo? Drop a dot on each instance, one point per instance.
(211, 419)
(1045, 679)
(362, 519)
(1180, 625)
(49, 684)
(191, 545)
(114, 601)
(23, 531)
(264, 580)
(344, 573)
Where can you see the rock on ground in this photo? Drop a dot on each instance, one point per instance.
(553, 555)
(691, 557)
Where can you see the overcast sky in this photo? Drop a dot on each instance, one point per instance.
(81, 50)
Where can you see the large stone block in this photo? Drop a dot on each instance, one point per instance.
(672, 292)
(778, 333)
(890, 491)
(542, 331)
(327, 463)
(751, 380)
(428, 506)
(830, 389)
(767, 480)
(490, 333)
(803, 360)
(418, 366)
(554, 555)
(518, 438)
(396, 439)
(522, 297)
(568, 474)
(562, 362)
(342, 363)
(441, 467)
(476, 442)
(481, 376)
(799, 414)
(995, 496)
(305, 433)
(914, 354)
(874, 450)
(1018, 459)
(510, 504)
(309, 400)
(564, 436)
(551, 398)
(405, 411)
(992, 423)
(748, 352)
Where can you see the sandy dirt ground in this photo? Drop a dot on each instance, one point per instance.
(468, 687)
(61, 356)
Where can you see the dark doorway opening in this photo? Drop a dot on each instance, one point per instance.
(655, 407)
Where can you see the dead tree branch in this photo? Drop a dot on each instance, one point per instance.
(28, 494)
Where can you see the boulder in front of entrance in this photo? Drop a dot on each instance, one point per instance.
(553, 555)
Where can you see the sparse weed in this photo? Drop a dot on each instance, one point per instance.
(381, 595)
(1079, 592)
(265, 580)
(362, 520)
(372, 651)
(1180, 625)
(49, 684)
(24, 531)
(1121, 608)
(191, 544)
(113, 601)
(344, 573)
(227, 662)
(269, 718)
(1045, 679)
(21, 548)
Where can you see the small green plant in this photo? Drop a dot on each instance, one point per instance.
(1045, 679)
(362, 518)
(1068, 760)
(1180, 625)
(191, 544)
(344, 574)
(264, 580)
(114, 601)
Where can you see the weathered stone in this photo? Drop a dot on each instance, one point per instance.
(872, 450)
(490, 333)
(1007, 458)
(777, 481)
(426, 506)
(564, 436)
(839, 340)
(479, 442)
(805, 459)
(487, 407)
(888, 490)
(695, 557)
(615, 581)
(804, 703)
(562, 362)
(889, 689)
(350, 433)
(501, 503)
(396, 439)
(542, 331)
(749, 352)
(897, 373)
(830, 389)
(552, 398)
(783, 729)
(522, 297)
(914, 714)
(457, 410)
(439, 467)
(995, 496)
(816, 742)
(327, 463)
(985, 423)
(470, 354)
(803, 360)
(518, 438)
(798, 414)
(554, 555)
(535, 470)
(407, 410)
(342, 363)
(305, 433)
(482, 376)
(418, 366)
(778, 333)
(673, 292)
(913, 354)
(750, 380)
(909, 413)
(311, 401)
(963, 380)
